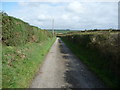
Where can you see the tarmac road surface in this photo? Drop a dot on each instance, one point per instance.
(62, 69)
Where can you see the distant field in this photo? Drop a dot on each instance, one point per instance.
(69, 32)
(63, 31)
(84, 32)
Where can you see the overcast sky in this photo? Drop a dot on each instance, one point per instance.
(67, 15)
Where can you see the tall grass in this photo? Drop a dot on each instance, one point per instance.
(101, 52)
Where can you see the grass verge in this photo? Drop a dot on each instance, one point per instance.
(21, 63)
(0, 65)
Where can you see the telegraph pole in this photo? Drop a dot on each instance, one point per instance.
(53, 26)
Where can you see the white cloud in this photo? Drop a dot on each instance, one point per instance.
(76, 7)
(73, 15)
(59, 0)
(65, 17)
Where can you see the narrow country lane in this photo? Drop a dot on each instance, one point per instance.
(62, 69)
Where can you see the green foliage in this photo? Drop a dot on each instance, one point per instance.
(20, 64)
(16, 32)
(24, 48)
(101, 52)
(0, 65)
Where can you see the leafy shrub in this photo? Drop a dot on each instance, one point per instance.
(16, 32)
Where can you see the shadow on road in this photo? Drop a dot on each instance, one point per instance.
(77, 75)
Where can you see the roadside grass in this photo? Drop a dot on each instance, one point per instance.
(95, 61)
(24, 48)
(0, 65)
(21, 63)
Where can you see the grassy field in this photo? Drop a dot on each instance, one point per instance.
(100, 52)
(60, 31)
(23, 50)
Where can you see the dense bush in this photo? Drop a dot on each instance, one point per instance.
(16, 32)
(103, 51)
